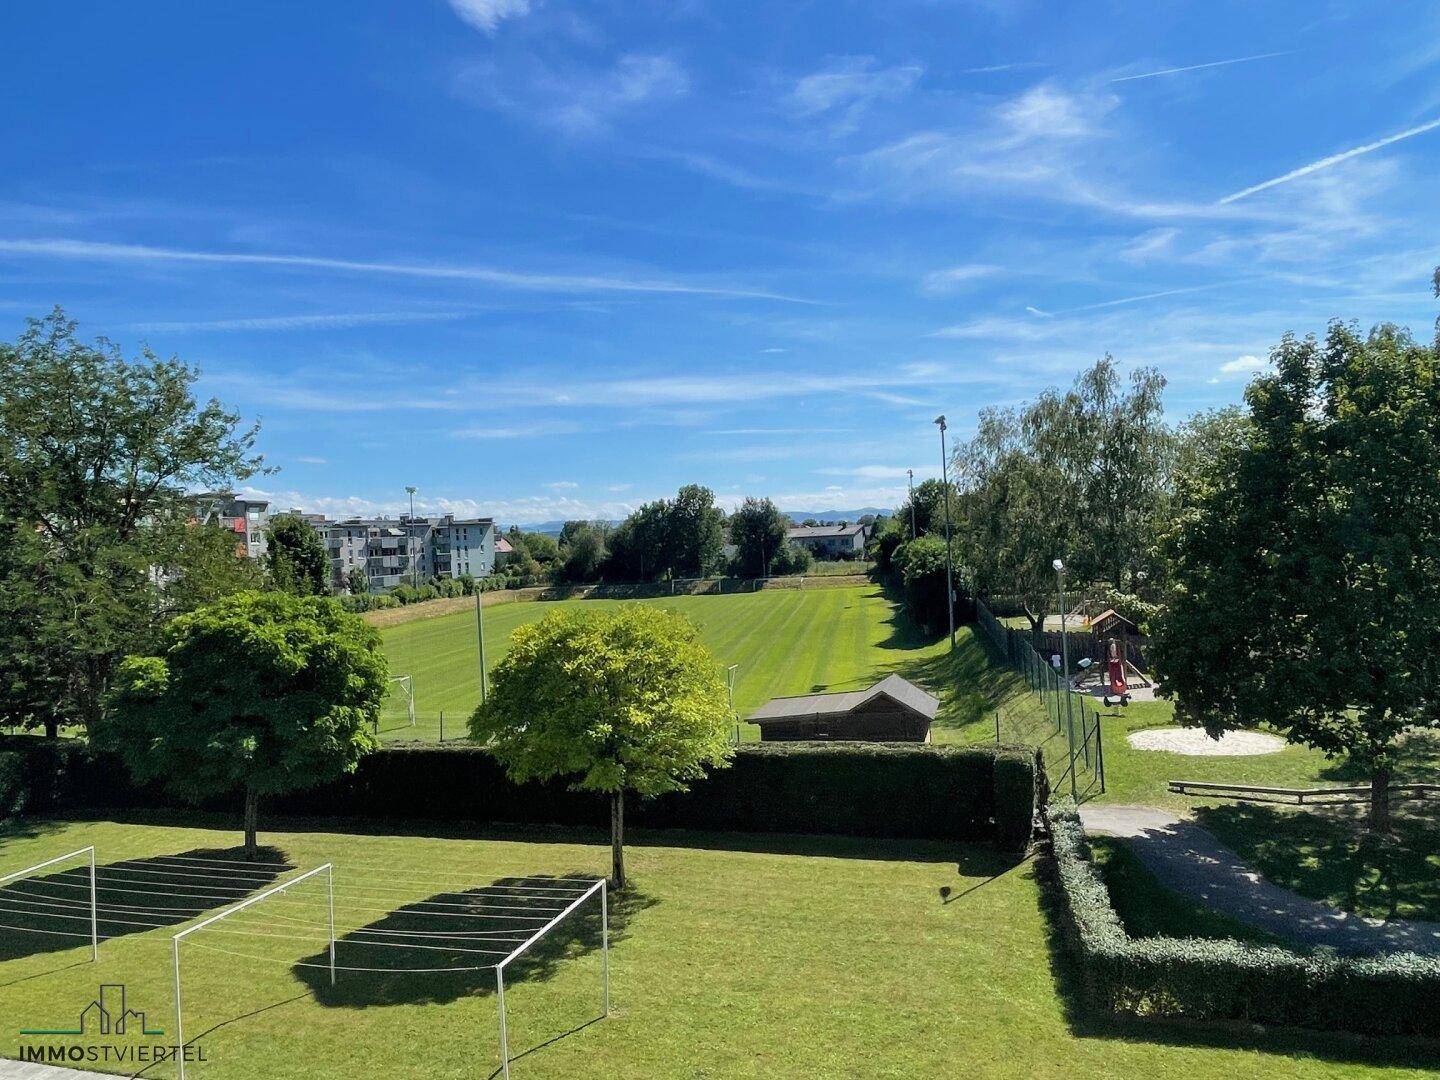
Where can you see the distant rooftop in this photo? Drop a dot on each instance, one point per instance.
(807, 532)
(892, 686)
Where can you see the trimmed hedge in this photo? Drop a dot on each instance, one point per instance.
(895, 790)
(1208, 980)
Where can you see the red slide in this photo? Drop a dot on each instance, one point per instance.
(1117, 676)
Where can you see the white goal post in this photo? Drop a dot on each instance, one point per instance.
(325, 869)
(94, 907)
(407, 685)
(600, 887)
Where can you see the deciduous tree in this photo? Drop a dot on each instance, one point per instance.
(1305, 564)
(295, 556)
(622, 701)
(261, 693)
(758, 531)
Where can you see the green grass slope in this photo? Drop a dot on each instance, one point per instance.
(782, 642)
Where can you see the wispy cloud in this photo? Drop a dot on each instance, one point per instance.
(1201, 67)
(989, 69)
(1333, 159)
(848, 85)
(519, 431)
(306, 459)
(301, 322)
(579, 100)
(940, 282)
(486, 15)
(563, 485)
(99, 251)
(867, 472)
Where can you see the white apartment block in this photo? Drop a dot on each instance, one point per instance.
(408, 551)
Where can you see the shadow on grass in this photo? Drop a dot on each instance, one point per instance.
(51, 911)
(1326, 853)
(1417, 761)
(1088, 1022)
(833, 847)
(444, 948)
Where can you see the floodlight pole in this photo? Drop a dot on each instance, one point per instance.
(911, 474)
(94, 918)
(605, 942)
(410, 538)
(949, 573)
(480, 632)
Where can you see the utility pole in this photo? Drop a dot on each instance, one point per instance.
(410, 539)
(911, 474)
(480, 632)
(949, 570)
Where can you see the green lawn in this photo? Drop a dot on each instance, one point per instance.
(790, 641)
(735, 956)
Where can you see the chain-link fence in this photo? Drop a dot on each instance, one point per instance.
(1068, 730)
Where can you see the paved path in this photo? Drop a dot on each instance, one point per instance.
(29, 1070)
(1191, 861)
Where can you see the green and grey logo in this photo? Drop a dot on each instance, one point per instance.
(108, 1014)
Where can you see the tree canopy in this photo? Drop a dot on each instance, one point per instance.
(98, 540)
(620, 701)
(758, 531)
(296, 558)
(1306, 555)
(260, 693)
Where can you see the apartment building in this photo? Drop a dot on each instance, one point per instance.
(244, 517)
(408, 550)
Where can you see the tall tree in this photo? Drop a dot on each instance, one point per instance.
(758, 531)
(97, 454)
(696, 532)
(623, 701)
(1307, 556)
(259, 694)
(582, 550)
(295, 556)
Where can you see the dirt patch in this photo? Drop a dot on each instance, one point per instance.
(1196, 743)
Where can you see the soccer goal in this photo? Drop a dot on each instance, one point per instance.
(18, 905)
(407, 687)
(326, 870)
(598, 887)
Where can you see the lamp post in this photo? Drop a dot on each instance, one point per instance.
(949, 571)
(1065, 675)
(911, 474)
(410, 538)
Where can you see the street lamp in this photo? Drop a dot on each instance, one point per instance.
(1064, 637)
(911, 474)
(949, 572)
(1065, 681)
(410, 538)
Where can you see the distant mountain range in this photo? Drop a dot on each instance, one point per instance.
(825, 517)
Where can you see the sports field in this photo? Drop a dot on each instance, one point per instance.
(734, 956)
(782, 642)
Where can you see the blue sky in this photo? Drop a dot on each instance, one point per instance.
(549, 258)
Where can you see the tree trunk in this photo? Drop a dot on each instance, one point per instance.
(1380, 799)
(1037, 630)
(252, 814)
(617, 839)
(52, 729)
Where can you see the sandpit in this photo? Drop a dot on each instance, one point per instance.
(1194, 741)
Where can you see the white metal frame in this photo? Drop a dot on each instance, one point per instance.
(94, 907)
(326, 869)
(602, 888)
(409, 695)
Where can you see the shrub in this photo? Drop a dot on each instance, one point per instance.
(892, 790)
(1207, 980)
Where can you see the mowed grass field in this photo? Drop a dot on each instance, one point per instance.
(734, 956)
(782, 642)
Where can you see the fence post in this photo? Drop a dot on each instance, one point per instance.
(1099, 753)
(442, 725)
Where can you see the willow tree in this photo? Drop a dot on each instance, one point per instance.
(623, 701)
(1304, 566)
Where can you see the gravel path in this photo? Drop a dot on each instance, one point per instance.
(1191, 861)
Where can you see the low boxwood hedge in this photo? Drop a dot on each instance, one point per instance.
(1208, 980)
(862, 789)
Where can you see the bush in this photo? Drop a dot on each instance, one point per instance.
(861, 789)
(367, 602)
(1207, 980)
(791, 559)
